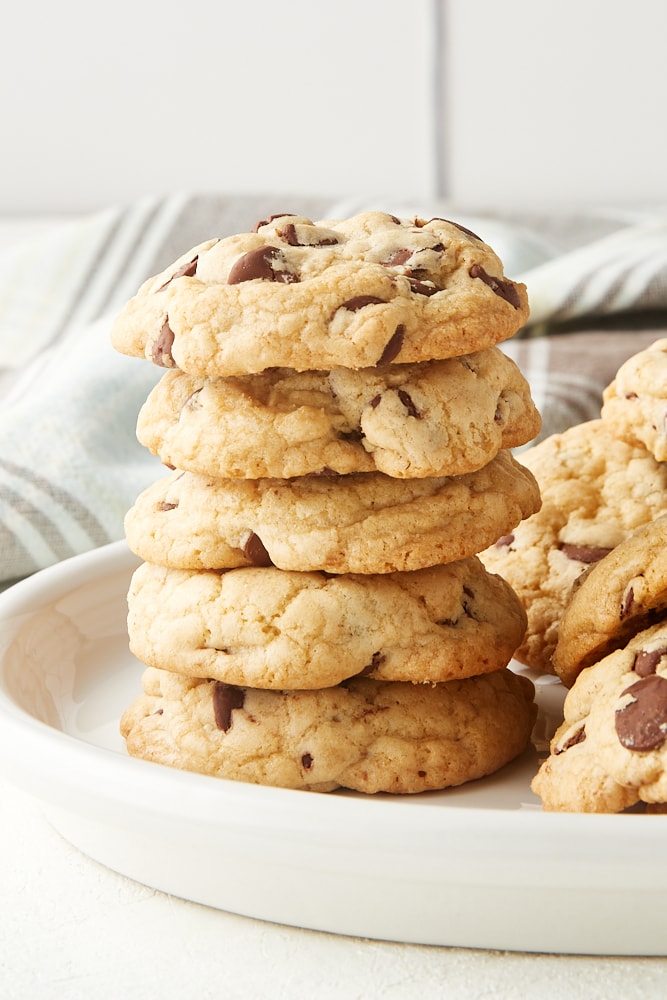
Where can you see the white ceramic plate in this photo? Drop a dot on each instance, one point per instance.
(480, 866)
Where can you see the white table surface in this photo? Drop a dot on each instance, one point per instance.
(71, 929)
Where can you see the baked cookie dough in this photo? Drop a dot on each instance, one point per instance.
(366, 735)
(596, 490)
(611, 750)
(431, 419)
(635, 403)
(271, 628)
(621, 595)
(365, 523)
(311, 296)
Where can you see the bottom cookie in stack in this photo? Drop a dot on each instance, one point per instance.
(366, 735)
(391, 682)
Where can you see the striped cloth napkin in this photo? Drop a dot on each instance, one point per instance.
(70, 465)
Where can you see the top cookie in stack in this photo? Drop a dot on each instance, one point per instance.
(356, 293)
(335, 404)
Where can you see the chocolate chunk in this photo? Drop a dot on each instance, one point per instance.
(289, 234)
(307, 761)
(464, 229)
(577, 737)
(584, 553)
(226, 697)
(504, 540)
(185, 271)
(255, 552)
(161, 353)
(375, 401)
(377, 658)
(423, 287)
(265, 222)
(642, 724)
(646, 661)
(628, 604)
(408, 403)
(164, 505)
(398, 257)
(393, 347)
(359, 301)
(505, 289)
(260, 263)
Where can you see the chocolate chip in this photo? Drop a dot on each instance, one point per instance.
(423, 287)
(375, 401)
(408, 403)
(378, 658)
(255, 551)
(260, 263)
(161, 353)
(577, 737)
(226, 697)
(289, 234)
(641, 725)
(307, 761)
(398, 257)
(164, 505)
(359, 301)
(265, 222)
(504, 540)
(393, 347)
(584, 553)
(185, 271)
(646, 661)
(628, 604)
(505, 289)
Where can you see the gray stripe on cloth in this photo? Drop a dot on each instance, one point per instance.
(81, 514)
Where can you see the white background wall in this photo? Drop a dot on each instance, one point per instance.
(517, 102)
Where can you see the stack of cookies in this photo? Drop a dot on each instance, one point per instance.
(338, 419)
(591, 570)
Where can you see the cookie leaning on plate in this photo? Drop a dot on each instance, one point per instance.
(367, 735)
(365, 523)
(621, 595)
(348, 293)
(271, 628)
(431, 419)
(635, 402)
(611, 750)
(596, 490)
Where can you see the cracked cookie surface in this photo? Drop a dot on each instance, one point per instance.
(353, 293)
(431, 419)
(270, 628)
(367, 735)
(365, 523)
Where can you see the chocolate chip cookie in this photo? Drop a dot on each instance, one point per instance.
(596, 490)
(635, 402)
(367, 735)
(271, 628)
(611, 750)
(437, 418)
(621, 595)
(353, 293)
(362, 523)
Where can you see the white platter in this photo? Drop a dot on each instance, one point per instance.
(481, 866)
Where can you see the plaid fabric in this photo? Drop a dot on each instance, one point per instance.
(70, 465)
